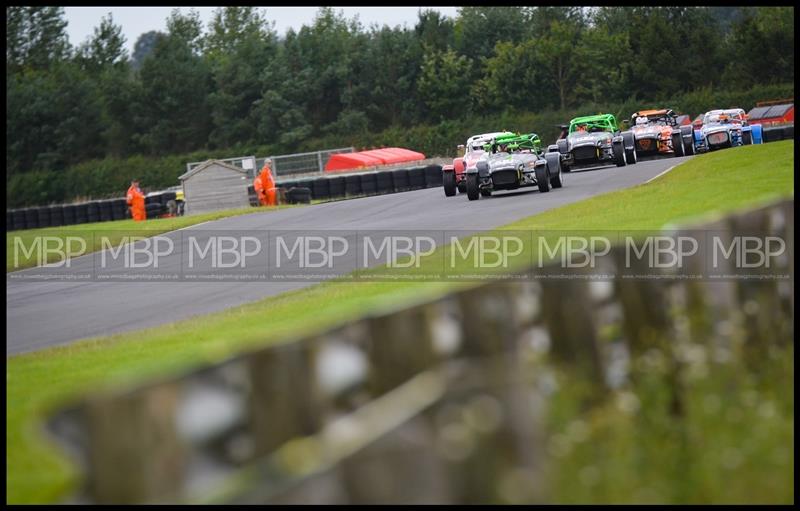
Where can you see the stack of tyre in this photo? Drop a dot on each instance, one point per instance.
(359, 184)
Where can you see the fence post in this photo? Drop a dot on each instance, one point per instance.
(135, 455)
(285, 401)
(319, 161)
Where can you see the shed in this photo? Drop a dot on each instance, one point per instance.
(215, 185)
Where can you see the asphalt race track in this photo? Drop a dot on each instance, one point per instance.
(50, 313)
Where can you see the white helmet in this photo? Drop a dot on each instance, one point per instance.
(641, 121)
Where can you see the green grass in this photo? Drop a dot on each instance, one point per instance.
(36, 383)
(115, 231)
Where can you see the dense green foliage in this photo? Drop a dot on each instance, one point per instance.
(96, 113)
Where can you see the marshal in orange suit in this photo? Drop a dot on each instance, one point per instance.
(135, 199)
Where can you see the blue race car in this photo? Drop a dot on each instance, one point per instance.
(726, 128)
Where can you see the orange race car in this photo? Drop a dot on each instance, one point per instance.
(657, 132)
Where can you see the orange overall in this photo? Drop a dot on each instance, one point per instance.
(264, 185)
(135, 199)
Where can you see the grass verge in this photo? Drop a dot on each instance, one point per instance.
(714, 183)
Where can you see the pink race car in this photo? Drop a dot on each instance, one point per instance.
(455, 174)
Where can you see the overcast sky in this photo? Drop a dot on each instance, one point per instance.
(137, 20)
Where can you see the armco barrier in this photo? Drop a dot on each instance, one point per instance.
(472, 397)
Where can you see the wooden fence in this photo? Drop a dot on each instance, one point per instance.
(440, 402)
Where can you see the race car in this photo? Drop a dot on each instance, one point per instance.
(657, 132)
(453, 175)
(514, 161)
(593, 140)
(726, 128)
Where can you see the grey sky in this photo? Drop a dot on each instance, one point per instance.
(138, 20)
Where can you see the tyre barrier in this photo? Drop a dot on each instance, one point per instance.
(383, 182)
(104, 209)
(168, 196)
(118, 209)
(400, 180)
(337, 186)
(68, 214)
(93, 211)
(154, 209)
(788, 132)
(369, 184)
(56, 216)
(31, 218)
(44, 216)
(433, 176)
(18, 219)
(352, 185)
(773, 134)
(298, 195)
(320, 189)
(416, 178)
(81, 213)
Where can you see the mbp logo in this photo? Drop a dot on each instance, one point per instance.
(661, 251)
(747, 251)
(576, 251)
(486, 252)
(134, 251)
(222, 251)
(309, 251)
(397, 251)
(48, 251)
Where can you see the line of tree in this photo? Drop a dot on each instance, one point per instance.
(237, 83)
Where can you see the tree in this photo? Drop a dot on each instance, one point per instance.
(443, 82)
(105, 48)
(36, 37)
(172, 113)
(240, 44)
(144, 46)
(761, 46)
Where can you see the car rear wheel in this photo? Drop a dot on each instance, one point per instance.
(449, 184)
(630, 154)
(472, 187)
(542, 179)
(619, 154)
(677, 144)
(554, 169)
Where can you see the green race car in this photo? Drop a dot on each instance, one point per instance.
(595, 140)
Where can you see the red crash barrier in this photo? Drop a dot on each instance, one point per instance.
(373, 157)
